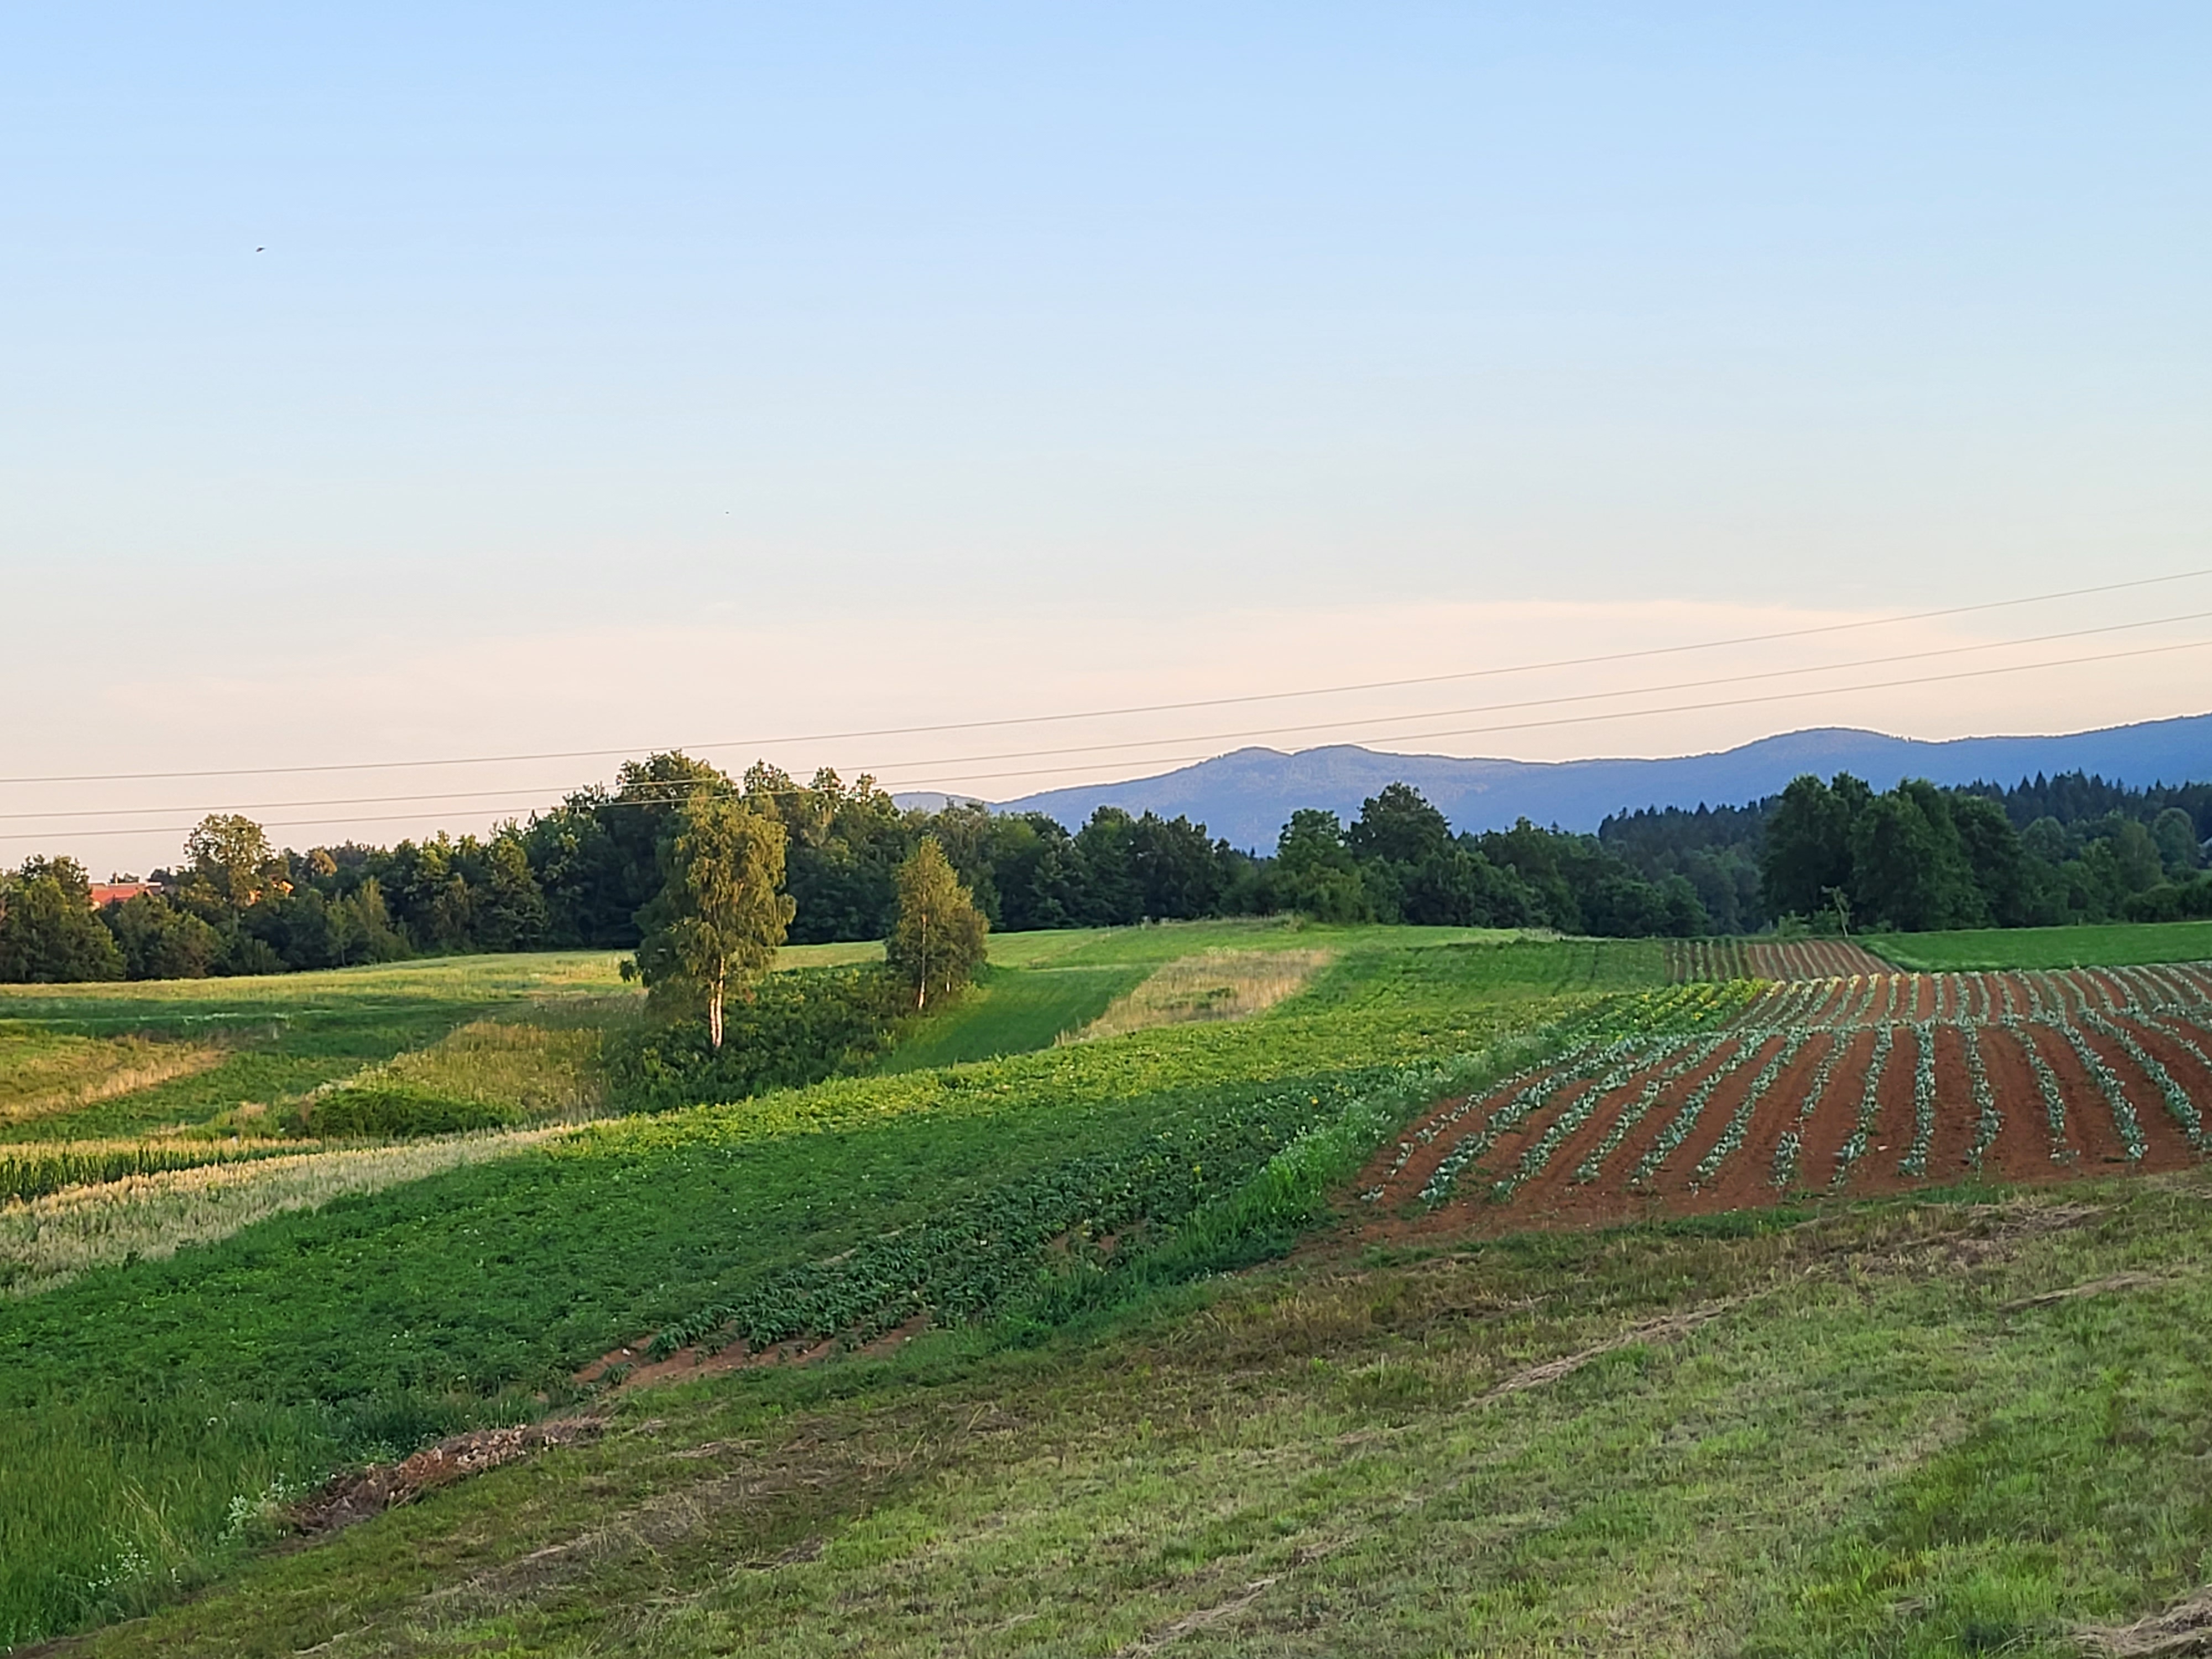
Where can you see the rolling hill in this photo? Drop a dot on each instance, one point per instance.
(1247, 795)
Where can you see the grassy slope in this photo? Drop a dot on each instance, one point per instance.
(1092, 947)
(288, 1033)
(1012, 1012)
(140, 1401)
(2116, 944)
(1870, 1448)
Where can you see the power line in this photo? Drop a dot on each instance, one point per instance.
(1135, 709)
(674, 796)
(1681, 707)
(1230, 737)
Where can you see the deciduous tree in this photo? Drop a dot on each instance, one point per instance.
(937, 938)
(232, 858)
(48, 932)
(722, 910)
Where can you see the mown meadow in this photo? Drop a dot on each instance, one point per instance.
(262, 1041)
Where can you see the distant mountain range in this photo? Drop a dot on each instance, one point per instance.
(1246, 796)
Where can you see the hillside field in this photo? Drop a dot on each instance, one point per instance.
(1487, 1294)
(320, 1337)
(2112, 945)
(1725, 1098)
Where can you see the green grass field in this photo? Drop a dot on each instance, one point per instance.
(1149, 946)
(1013, 1011)
(283, 1035)
(2116, 945)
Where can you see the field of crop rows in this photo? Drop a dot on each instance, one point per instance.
(1689, 960)
(1868, 1084)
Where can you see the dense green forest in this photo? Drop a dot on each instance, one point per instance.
(2047, 850)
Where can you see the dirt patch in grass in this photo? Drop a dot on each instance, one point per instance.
(1654, 1330)
(2094, 1287)
(2184, 1628)
(1192, 1622)
(355, 1497)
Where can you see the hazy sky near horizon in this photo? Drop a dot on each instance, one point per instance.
(624, 376)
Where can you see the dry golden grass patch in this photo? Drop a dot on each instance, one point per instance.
(1213, 985)
(43, 1074)
(539, 1070)
(51, 1240)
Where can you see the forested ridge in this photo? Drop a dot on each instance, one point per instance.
(2045, 851)
(1820, 855)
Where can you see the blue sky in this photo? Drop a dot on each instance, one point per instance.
(626, 373)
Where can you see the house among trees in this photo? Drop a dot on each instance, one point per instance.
(121, 891)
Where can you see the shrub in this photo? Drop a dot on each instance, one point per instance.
(798, 1028)
(385, 1110)
(2184, 901)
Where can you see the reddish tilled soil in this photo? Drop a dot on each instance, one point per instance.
(2185, 1068)
(2024, 1147)
(1822, 1140)
(1562, 1201)
(1676, 1178)
(2165, 1146)
(355, 1497)
(1958, 1118)
(2089, 1126)
(1776, 959)
(1876, 1169)
(1952, 1010)
(1745, 1180)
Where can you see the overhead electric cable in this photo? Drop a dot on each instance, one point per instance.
(1520, 726)
(1670, 708)
(1135, 709)
(1367, 723)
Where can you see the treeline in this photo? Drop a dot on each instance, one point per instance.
(584, 873)
(2064, 849)
(2047, 851)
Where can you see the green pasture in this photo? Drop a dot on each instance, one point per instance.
(1162, 942)
(844, 954)
(142, 1400)
(1013, 1011)
(2113, 945)
(284, 1034)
